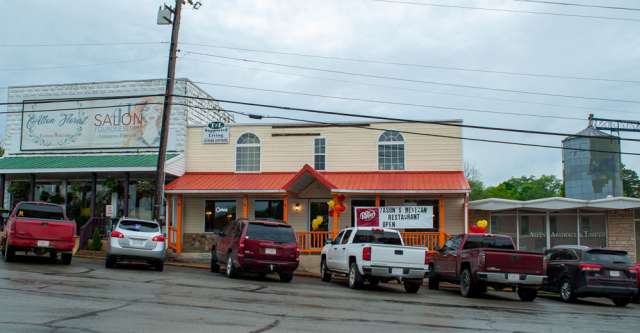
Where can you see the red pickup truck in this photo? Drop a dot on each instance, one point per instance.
(39, 228)
(478, 261)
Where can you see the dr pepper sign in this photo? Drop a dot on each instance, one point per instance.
(395, 217)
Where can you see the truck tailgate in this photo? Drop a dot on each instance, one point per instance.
(510, 261)
(397, 256)
(41, 229)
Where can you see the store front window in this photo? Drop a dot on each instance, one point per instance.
(79, 202)
(218, 214)
(50, 192)
(141, 199)
(564, 229)
(533, 232)
(504, 224)
(269, 209)
(593, 230)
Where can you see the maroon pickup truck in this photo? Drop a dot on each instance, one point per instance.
(39, 228)
(478, 261)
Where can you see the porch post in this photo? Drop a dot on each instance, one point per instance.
(441, 239)
(94, 193)
(32, 189)
(377, 200)
(335, 226)
(285, 208)
(125, 206)
(466, 213)
(2, 183)
(179, 225)
(245, 206)
(168, 220)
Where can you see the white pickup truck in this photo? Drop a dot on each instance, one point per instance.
(373, 255)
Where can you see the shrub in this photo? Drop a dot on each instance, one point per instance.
(95, 244)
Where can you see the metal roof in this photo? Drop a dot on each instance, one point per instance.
(79, 163)
(555, 203)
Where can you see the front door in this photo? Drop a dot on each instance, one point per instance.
(318, 216)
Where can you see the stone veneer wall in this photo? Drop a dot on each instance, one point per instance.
(621, 231)
(201, 242)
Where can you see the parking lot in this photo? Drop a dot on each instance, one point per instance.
(38, 296)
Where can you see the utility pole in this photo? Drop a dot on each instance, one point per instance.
(168, 98)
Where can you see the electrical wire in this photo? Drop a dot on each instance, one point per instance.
(79, 44)
(394, 78)
(79, 65)
(504, 10)
(413, 65)
(573, 4)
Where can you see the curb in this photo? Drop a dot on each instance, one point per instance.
(195, 265)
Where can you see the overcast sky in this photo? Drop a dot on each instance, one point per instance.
(389, 32)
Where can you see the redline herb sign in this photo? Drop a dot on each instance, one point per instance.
(395, 217)
(134, 123)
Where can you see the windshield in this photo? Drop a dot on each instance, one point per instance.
(607, 257)
(486, 242)
(275, 233)
(377, 237)
(35, 211)
(139, 226)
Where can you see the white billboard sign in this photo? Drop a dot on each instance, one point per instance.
(395, 217)
(122, 123)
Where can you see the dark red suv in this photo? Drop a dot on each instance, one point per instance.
(256, 246)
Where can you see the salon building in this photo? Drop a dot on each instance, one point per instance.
(289, 172)
(540, 224)
(93, 147)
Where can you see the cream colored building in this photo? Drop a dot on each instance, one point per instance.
(290, 171)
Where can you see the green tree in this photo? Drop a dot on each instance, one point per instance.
(525, 188)
(630, 183)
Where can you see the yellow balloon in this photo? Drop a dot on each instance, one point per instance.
(482, 223)
(315, 223)
(331, 204)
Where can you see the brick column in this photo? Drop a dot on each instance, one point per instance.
(620, 231)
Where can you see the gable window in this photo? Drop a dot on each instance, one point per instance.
(391, 151)
(319, 153)
(248, 153)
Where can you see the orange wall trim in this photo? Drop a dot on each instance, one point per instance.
(285, 208)
(245, 206)
(179, 226)
(441, 239)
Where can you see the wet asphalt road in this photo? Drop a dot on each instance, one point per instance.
(39, 296)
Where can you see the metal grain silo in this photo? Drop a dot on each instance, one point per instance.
(591, 165)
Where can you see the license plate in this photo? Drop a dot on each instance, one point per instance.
(513, 277)
(397, 271)
(614, 273)
(42, 243)
(137, 243)
(270, 251)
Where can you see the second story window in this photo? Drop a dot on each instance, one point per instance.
(248, 153)
(391, 151)
(319, 153)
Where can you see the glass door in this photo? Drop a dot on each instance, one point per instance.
(318, 215)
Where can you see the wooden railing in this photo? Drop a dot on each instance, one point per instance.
(313, 241)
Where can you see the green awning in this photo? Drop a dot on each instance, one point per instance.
(79, 163)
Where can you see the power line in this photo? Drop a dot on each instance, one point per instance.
(77, 65)
(573, 4)
(395, 119)
(389, 102)
(78, 44)
(517, 11)
(414, 65)
(394, 78)
(421, 90)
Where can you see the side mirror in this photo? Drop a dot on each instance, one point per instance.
(328, 241)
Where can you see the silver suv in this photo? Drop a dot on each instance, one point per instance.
(136, 240)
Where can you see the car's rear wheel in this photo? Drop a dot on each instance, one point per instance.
(467, 285)
(434, 282)
(214, 266)
(9, 254)
(355, 278)
(159, 266)
(110, 262)
(230, 269)
(527, 294)
(325, 275)
(566, 291)
(286, 276)
(66, 258)
(621, 301)
(412, 287)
